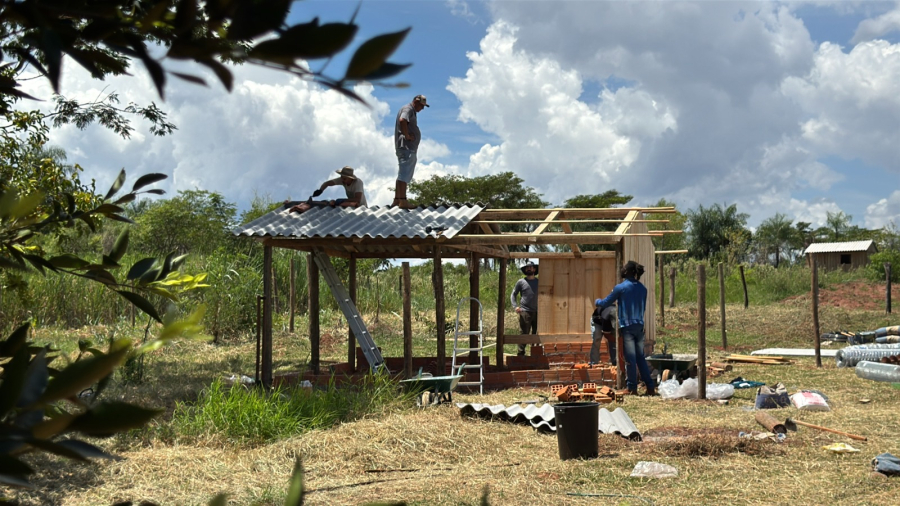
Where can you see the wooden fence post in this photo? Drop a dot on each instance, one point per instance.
(722, 304)
(701, 331)
(672, 287)
(407, 323)
(815, 309)
(293, 301)
(887, 276)
(744, 284)
(312, 286)
(662, 293)
(440, 314)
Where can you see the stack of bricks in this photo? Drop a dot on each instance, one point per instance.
(587, 393)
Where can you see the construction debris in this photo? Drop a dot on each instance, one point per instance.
(587, 393)
(751, 359)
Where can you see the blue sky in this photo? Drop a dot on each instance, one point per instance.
(789, 107)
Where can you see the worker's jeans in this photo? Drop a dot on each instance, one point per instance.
(406, 159)
(597, 334)
(633, 348)
(528, 324)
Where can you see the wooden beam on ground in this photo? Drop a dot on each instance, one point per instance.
(351, 338)
(312, 284)
(407, 323)
(267, 318)
(440, 314)
(501, 313)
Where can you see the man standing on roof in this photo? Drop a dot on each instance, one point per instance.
(527, 305)
(406, 143)
(353, 188)
(631, 295)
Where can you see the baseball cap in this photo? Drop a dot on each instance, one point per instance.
(422, 99)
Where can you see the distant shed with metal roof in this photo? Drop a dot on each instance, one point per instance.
(840, 255)
(570, 277)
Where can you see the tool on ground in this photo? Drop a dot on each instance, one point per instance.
(366, 343)
(790, 422)
(771, 424)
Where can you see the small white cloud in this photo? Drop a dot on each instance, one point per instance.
(884, 212)
(884, 24)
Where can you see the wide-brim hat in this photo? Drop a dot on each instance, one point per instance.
(530, 264)
(346, 172)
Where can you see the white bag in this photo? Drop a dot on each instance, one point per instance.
(809, 401)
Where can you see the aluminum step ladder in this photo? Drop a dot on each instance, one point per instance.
(457, 350)
(363, 338)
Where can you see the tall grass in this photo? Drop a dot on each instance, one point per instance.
(243, 416)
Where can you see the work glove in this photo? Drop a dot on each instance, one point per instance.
(317, 193)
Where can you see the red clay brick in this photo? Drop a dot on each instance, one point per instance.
(589, 388)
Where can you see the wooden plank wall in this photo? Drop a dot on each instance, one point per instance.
(566, 292)
(832, 261)
(641, 250)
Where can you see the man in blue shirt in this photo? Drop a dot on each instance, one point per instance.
(631, 295)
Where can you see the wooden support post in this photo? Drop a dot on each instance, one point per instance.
(662, 293)
(722, 304)
(744, 284)
(474, 289)
(293, 298)
(266, 365)
(501, 312)
(672, 287)
(407, 323)
(815, 309)
(701, 331)
(620, 343)
(887, 297)
(312, 284)
(258, 377)
(275, 305)
(351, 337)
(440, 312)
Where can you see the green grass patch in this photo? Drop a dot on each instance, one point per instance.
(250, 416)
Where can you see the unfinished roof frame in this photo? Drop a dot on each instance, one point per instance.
(481, 237)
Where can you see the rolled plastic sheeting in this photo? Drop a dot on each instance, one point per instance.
(876, 371)
(852, 355)
(888, 331)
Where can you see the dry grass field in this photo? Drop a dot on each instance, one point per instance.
(434, 456)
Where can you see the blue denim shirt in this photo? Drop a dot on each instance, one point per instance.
(632, 297)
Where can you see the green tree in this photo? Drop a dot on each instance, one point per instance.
(607, 199)
(196, 220)
(677, 221)
(778, 235)
(500, 191)
(711, 230)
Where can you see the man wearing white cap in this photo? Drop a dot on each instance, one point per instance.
(353, 188)
(406, 143)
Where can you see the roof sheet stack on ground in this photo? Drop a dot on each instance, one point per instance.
(543, 417)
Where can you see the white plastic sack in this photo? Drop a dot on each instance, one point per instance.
(809, 401)
(716, 391)
(670, 389)
(644, 469)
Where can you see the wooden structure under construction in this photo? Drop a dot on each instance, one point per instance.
(832, 256)
(570, 278)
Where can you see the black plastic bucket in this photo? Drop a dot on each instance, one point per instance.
(577, 429)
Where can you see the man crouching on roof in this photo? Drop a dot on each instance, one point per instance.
(353, 187)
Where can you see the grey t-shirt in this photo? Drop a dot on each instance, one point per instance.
(529, 289)
(352, 188)
(407, 112)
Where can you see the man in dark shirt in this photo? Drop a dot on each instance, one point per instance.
(602, 327)
(526, 308)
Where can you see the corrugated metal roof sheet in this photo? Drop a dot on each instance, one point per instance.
(543, 418)
(838, 247)
(380, 222)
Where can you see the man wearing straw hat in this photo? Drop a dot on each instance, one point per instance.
(526, 308)
(353, 188)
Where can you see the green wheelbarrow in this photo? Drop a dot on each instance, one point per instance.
(433, 390)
